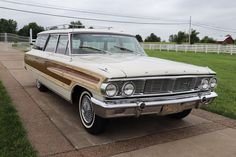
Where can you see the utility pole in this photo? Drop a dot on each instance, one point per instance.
(190, 30)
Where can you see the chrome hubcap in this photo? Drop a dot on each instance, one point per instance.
(38, 84)
(87, 109)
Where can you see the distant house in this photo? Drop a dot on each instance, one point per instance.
(225, 40)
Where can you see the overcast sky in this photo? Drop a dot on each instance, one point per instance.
(220, 13)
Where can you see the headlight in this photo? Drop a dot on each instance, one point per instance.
(128, 89)
(111, 90)
(213, 82)
(204, 84)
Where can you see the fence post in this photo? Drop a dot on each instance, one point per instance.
(176, 48)
(5, 37)
(185, 50)
(218, 51)
(168, 47)
(160, 47)
(195, 48)
(206, 48)
(31, 35)
(231, 49)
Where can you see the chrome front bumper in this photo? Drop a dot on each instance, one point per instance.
(158, 105)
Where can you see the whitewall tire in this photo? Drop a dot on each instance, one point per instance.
(91, 122)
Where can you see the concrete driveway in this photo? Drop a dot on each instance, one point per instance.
(54, 128)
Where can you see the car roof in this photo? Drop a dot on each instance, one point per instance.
(82, 30)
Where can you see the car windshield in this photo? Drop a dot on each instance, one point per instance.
(105, 43)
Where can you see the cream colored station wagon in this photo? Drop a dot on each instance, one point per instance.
(107, 74)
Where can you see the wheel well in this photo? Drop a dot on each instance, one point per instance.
(76, 92)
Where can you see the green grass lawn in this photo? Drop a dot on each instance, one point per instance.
(225, 67)
(13, 138)
(21, 46)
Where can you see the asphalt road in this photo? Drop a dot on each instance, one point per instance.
(54, 128)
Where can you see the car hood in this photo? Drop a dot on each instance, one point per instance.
(136, 66)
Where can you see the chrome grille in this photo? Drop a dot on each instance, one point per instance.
(155, 86)
(184, 84)
(158, 86)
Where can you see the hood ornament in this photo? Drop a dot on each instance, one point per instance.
(104, 69)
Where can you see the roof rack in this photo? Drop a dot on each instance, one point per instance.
(74, 26)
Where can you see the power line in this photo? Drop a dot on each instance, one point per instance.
(54, 7)
(92, 19)
(213, 28)
(216, 27)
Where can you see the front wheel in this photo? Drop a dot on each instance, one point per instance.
(180, 115)
(91, 122)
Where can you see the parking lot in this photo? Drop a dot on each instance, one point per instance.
(54, 128)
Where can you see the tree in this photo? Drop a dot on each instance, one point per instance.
(8, 26)
(182, 37)
(194, 37)
(172, 38)
(26, 29)
(76, 24)
(139, 38)
(153, 38)
(207, 39)
(179, 38)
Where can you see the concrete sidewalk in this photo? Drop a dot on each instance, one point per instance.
(54, 128)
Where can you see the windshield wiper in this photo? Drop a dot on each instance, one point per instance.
(126, 49)
(123, 48)
(93, 48)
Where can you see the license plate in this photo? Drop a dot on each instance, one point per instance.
(170, 108)
(177, 107)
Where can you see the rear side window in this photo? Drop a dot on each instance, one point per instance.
(62, 47)
(52, 43)
(41, 41)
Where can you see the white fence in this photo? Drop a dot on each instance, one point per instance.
(207, 48)
(8, 37)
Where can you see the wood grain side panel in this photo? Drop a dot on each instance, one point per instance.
(56, 70)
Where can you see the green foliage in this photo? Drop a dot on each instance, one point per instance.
(8, 26)
(153, 38)
(207, 39)
(76, 24)
(26, 29)
(179, 38)
(13, 138)
(139, 38)
(194, 37)
(224, 65)
(182, 37)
